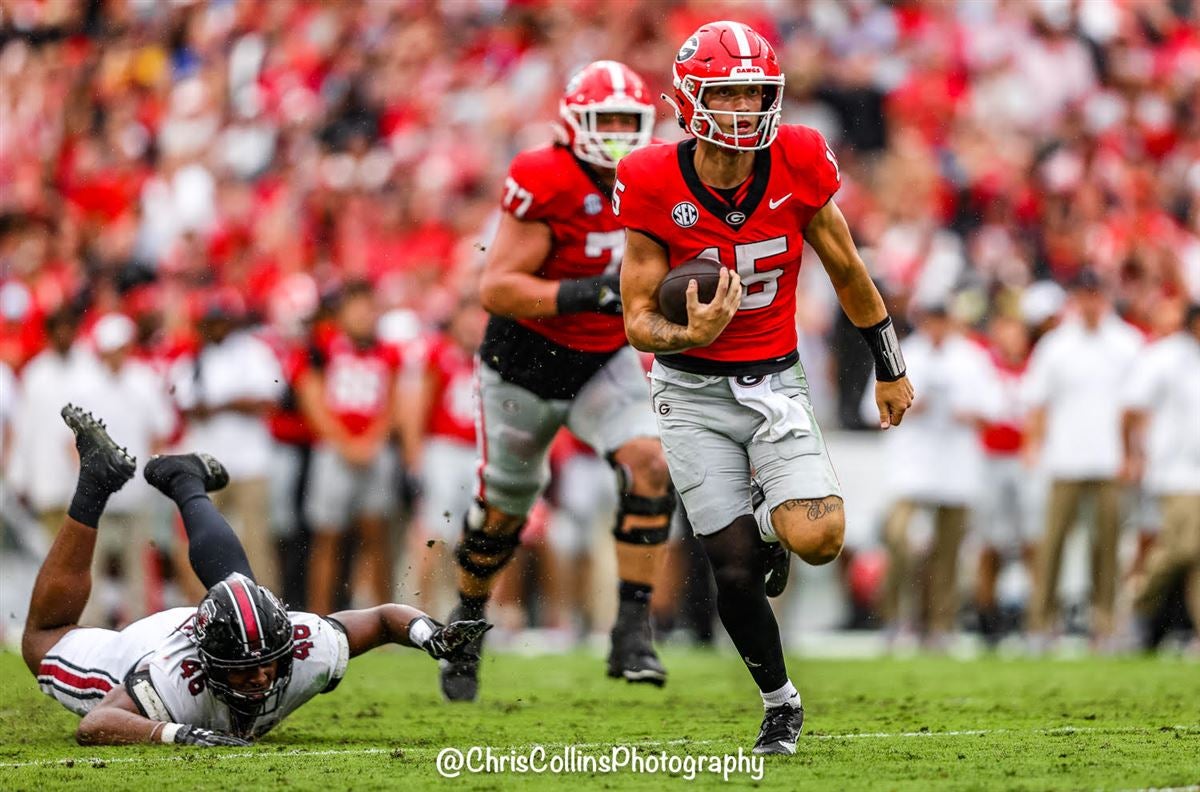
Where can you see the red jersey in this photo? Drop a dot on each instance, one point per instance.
(548, 185)
(452, 414)
(285, 420)
(759, 232)
(358, 381)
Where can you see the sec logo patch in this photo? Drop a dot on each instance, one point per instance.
(685, 214)
(592, 204)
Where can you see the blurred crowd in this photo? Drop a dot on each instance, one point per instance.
(206, 207)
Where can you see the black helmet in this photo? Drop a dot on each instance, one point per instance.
(239, 624)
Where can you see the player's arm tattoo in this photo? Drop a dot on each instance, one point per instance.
(655, 333)
(814, 508)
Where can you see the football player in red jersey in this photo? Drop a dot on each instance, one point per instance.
(555, 353)
(729, 392)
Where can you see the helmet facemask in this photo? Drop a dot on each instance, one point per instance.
(606, 149)
(249, 704)
(764, 122)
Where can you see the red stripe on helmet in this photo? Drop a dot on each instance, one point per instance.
(247, 613)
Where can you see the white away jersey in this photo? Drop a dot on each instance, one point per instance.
(319, 661)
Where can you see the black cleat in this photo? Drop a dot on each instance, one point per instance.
(780, 730)
(161, 471)
(102, 462)
(459, 676)
(777, 561)
(632, 656)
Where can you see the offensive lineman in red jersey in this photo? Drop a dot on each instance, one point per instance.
(728, 389)
(555, 353)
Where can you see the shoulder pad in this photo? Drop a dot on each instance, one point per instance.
(146, 697)
(343, 654)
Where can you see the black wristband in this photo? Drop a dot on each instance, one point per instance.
(885, 348)
(588, 295)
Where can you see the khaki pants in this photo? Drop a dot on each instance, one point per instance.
(52, 520)
(933, 578)
(1177, 551)
(247, 505)
(1061, 512)
(124, 536)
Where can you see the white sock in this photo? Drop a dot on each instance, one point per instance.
(785, 695)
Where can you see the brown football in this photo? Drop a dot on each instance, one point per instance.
(672, 292)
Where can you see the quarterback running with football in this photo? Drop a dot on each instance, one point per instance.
(555, 353)
(223, 673)
(729, 392)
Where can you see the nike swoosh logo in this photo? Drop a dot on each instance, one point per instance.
(775, 203)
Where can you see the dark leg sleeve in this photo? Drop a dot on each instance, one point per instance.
(736, 561)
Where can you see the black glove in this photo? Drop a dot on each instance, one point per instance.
(453, 640)
(590, 295)
(194, 735)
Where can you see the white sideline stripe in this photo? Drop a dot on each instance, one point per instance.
(90, 760)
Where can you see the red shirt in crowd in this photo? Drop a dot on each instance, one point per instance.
(452, 412)
(357, 380)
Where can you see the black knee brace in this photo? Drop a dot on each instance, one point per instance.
(642, 506)
(499, 547)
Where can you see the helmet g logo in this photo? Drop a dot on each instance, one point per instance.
(688, 49)
(685, 214)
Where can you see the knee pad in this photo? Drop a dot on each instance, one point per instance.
(642, 506)
(500, 548)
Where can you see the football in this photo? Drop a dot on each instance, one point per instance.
(672, 292)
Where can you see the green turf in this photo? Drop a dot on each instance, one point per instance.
(1088, 724)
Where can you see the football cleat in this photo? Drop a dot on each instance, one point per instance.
(162, 470)
(459, 674)
(776, 558)
(101, 461)
(632, 656)
(780, 730)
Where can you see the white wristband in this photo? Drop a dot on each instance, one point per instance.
(419, 631)
(168, 733)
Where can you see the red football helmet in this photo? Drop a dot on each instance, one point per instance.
(728, 53)
(605, 87)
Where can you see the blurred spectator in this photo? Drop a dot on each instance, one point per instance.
(132, 401)
(439, 423)
(43, 447)
(347, 393)
(1073, 387)
(585, 499)
(1162, 449)
(934, 465)
(293, 308)
(224, 391)
(1008, 517)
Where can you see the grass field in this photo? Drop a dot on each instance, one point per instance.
(926, 723)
